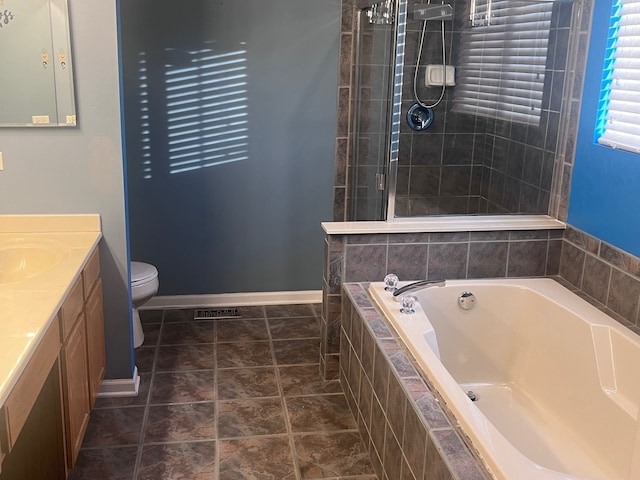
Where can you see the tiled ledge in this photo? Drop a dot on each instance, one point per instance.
(409, 435)
(480, 223)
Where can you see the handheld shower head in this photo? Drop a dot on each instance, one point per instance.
(432, 12)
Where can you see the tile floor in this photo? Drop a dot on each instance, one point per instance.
(227, 400)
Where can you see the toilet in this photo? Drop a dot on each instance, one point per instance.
(144, 285)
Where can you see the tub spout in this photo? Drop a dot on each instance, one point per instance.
(397, 294)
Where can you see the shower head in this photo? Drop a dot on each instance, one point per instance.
(432, 12)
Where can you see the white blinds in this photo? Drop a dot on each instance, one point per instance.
(619, 108)
(502, 62)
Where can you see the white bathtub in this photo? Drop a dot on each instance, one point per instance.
(557, 381)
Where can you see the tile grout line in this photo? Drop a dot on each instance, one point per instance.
(156, 382)
(136, 467)
(283, 404)
(216, 469)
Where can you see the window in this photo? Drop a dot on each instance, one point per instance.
(618, 123)
(502, 61)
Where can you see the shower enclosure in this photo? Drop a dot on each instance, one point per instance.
(497, 138)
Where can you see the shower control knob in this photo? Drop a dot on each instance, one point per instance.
(391, 282)
(419, 118)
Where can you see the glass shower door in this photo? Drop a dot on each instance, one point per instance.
(373, 95)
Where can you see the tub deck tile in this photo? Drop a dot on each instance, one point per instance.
(376, 324)
(418, 441)
(459, 459)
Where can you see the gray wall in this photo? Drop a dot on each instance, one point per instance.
(251, 221)
(80, 170)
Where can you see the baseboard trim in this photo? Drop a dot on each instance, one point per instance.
(234, 299)
(120, 387)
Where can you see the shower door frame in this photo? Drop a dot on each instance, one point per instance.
(392, 133)
(400, 21)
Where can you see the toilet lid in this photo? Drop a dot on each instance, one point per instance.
(142, 272)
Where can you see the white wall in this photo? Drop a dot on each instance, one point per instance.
(80, 170)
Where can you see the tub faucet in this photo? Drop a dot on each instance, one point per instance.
(397, 294)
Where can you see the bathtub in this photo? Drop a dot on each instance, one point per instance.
(555, 380)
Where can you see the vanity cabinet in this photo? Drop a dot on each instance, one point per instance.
(45, 416)
(75, 388)
(93, 310)
(32, 415)
(83, 354)
(38, 452)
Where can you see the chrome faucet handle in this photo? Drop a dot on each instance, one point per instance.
(408, 304)
(391, 282)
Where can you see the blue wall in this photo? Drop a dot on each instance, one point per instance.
(245, 219)
(605, 190)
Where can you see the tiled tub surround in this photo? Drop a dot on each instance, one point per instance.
(419, 256)
(607, 277)
(546, 403)
(409, 435)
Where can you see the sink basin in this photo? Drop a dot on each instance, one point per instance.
(20, 261)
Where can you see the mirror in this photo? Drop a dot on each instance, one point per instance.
(35, 64)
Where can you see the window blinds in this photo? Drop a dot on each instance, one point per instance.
(619, 105)
(502, 60)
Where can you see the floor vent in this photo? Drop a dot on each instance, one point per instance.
(209, 313)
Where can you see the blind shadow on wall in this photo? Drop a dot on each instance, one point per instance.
(230, 111)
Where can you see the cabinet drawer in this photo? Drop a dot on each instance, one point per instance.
(91, 272)
(72, 307)
(26, 390)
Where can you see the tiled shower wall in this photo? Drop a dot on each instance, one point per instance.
(474, 165)
(468, 164)
(418, 256)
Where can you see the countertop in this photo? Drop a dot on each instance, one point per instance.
(28, 307)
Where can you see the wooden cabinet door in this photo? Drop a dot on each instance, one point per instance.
(38, 452)
(95, 340)
(76, 389)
